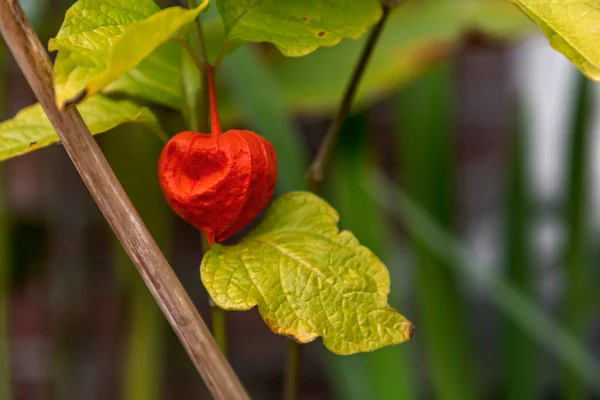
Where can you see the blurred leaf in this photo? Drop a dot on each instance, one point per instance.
(30, 129)
(307, 278)
(577, 315)
(158, 78)
(572, 29)
(259, 100)
(298, 27)
(416, 36)
(426, 126)
(520, 372)
(508, 299)
(386, 373)
(100, 40)
(143, 357)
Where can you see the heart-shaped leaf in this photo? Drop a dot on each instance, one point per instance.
(308, 279)
(572, 29)
(298, 27)
(100, 40)
(30, 129)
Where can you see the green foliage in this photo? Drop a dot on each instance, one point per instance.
(101, 40)
(425, 120)
(298, 27)
(307, 279)
(416, 37)
(30, 128)
(572, 29)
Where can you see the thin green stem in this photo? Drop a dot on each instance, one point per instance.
(197, 61)
(292, 376)
(316, 174)
(219, 327)
(316, 171)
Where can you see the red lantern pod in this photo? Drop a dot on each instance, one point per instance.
(217, 182)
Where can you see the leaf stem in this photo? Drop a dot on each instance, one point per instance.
(219, 327)
(293, 371)
(321, 162)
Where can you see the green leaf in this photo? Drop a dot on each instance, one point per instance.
(101, 40)
(308, 279)
(417, 36)
(30, 129)
(572, 29)
(298, 27)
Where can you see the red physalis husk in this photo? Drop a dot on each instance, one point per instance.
(218, 182)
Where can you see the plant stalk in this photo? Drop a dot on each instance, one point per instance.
(219, 323)
(116, 207)
(292, 375)
(316, 171)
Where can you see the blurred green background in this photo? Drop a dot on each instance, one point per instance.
(467, 165)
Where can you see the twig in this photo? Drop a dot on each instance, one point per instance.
(321, 162)
(117, 208)
(316, 173)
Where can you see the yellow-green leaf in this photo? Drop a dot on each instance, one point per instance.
(308, 279)
(30, 129)
(101, 40)
(572, 27)
(298, 27)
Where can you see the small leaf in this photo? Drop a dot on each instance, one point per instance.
(572, 28)
(308, 279)
(101, 40)
(298, 27)
(30, 129)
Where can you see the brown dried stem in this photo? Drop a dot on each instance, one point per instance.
(117, 208)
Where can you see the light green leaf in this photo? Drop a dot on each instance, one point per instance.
(308, 279)
(298, 27)
(417, 36)
(30, 129)
(572, 27)
(101, 40)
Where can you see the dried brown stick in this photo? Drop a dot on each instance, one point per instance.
(117, 208)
